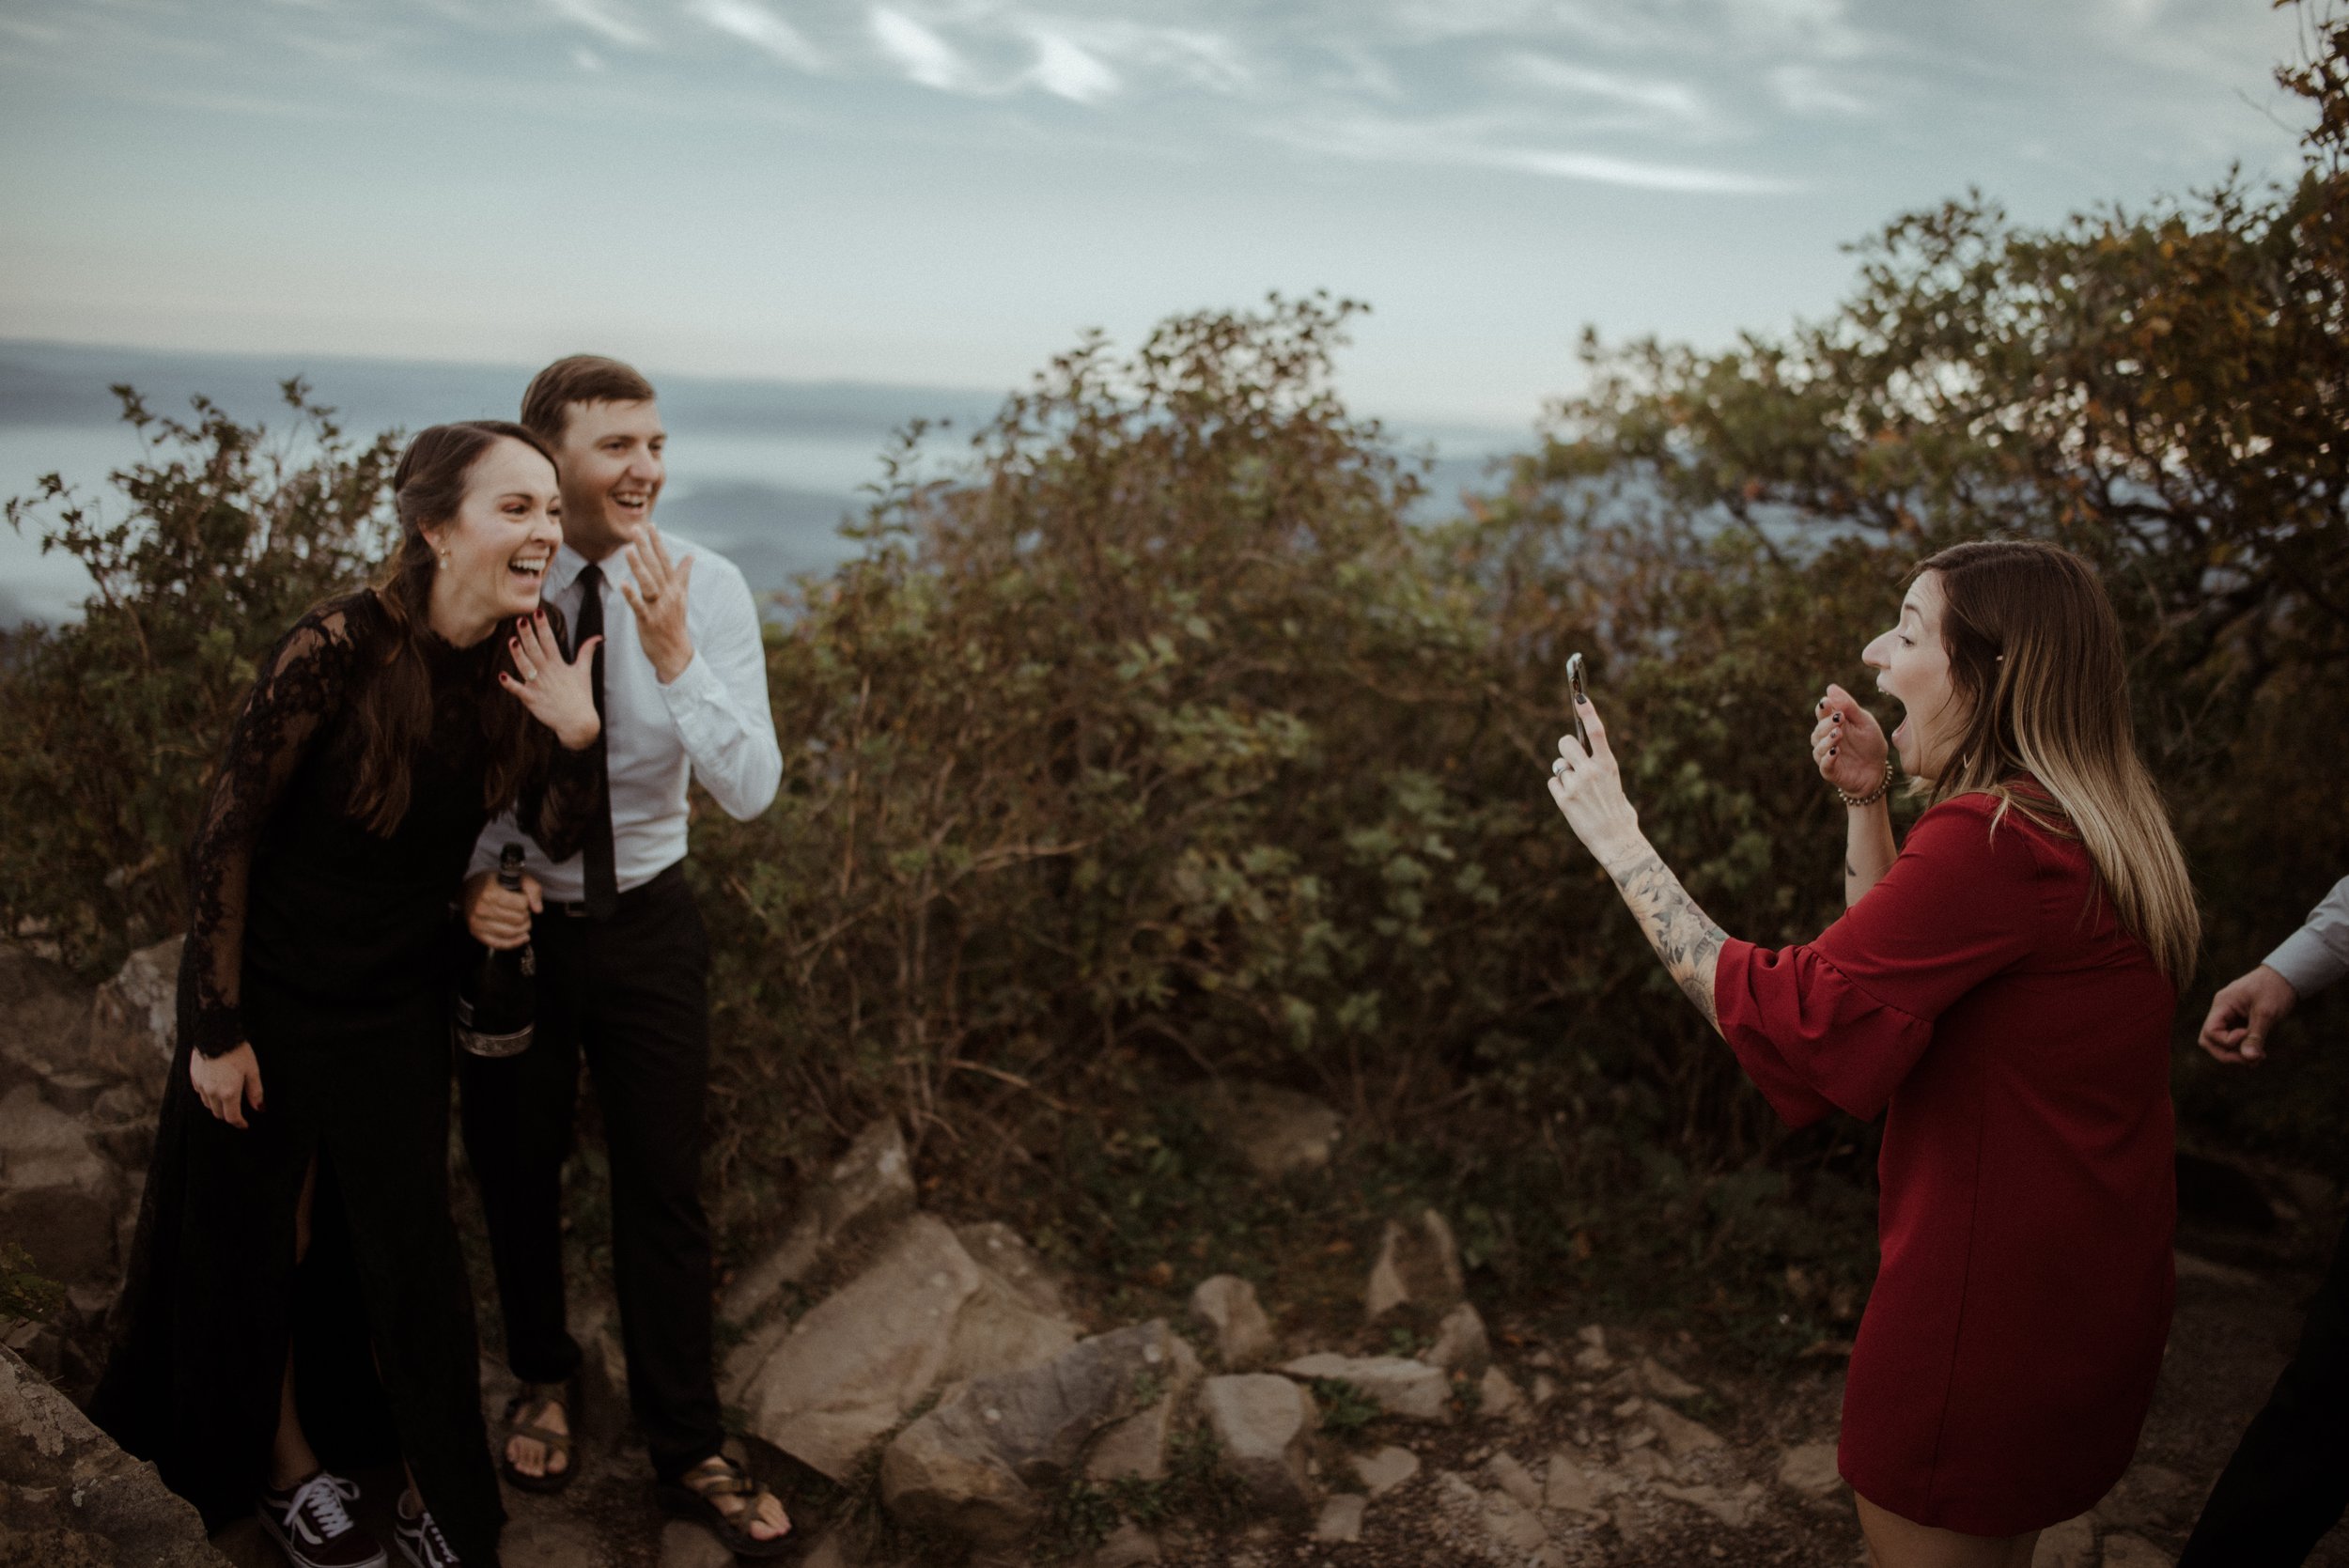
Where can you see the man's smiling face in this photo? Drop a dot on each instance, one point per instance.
(613, 469)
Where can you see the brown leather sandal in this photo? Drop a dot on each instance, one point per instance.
(537, 1396)
(697, 1503)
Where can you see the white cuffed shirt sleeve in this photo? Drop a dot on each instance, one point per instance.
(719, 701)
(2317, 954)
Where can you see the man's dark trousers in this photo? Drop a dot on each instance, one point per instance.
(2289, 1480)
(629, 992)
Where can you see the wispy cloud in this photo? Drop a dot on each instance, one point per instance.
(755, 25)
(1478, 141)
(1664, 100)
(919, 52)
(1067, 70)
(607, 18)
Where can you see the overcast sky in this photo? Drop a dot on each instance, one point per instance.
(945, 192)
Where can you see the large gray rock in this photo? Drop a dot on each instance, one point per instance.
(1396, 1384)
(44, 1019)
(69, 1498)
(922, 1314)
(133, 1026)
(1243, 1335)
(60, 1195)
(999, 1328)
(1006, 1253)
(1263, 1425)
(973, 1466)
(1134, 1448)
(1809, 1469)
(1418, 1265)
(1274, 1131)
(868, 1184)
(824, 1388)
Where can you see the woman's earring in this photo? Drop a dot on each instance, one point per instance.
(444, 558)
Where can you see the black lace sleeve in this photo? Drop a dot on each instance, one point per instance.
(302, 680)
(564, 796)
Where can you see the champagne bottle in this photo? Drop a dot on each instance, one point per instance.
(498, 992)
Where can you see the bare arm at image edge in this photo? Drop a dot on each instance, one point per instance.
(2317, 954)
(719, 701)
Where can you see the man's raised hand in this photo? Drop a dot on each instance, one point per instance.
(659, 598)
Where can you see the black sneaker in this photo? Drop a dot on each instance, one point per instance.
(420, 1540)
(311, 1523)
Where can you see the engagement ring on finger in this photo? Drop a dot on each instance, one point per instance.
(1559, 767)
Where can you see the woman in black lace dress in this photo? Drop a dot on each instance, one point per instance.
(296, 1274)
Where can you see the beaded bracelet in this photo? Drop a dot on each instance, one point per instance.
(1872, 795)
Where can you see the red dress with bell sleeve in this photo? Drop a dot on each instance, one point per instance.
(1983, 999)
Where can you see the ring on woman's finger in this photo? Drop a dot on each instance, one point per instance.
(1559, 767)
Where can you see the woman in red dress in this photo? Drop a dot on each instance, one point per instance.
(2000, 990)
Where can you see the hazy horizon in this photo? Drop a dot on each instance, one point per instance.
(761, 468)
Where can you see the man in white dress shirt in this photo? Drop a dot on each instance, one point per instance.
(623, 960)
(2289, 1480)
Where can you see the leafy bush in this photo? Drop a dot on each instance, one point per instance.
(225, 537)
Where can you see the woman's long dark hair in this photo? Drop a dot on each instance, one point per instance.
(395, 699)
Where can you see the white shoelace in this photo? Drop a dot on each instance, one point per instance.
(323, 1494)
(427, 1533)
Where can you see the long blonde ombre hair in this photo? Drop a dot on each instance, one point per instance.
(2035, 651)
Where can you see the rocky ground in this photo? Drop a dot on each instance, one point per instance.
(927, 1392)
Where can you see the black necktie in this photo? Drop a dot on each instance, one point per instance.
(603, 884)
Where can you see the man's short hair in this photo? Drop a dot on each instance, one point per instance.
(580, 379)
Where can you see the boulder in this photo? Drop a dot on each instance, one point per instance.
(1809, 1469)
(2069, 1544)
(44, 1019)
(1263, 1425)
(1341, 1519)
(1388, 1468)
(999, 1330)
(1570, 1488)
(1006, 1253)
(824, 1388)
(70, 1497)
(973, 1467)
(60, 1195)
(1592, 1358)
(1461, 1345)
(1498, 1399)
(133, 1022)
(1134, 1448)
(868, 1184)
(1274, 1131)
(1510, 1524)
(1663, 1382)
(1243, 1335)
(1419, 1265)
(1681, 1435)
(1505, 1471)
(1398, 1385)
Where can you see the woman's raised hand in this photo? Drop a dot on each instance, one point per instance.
(226, 1082)
(555, 689)
(1588, 788)
(1848, 744)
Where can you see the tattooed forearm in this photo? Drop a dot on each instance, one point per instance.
(1688, 941)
